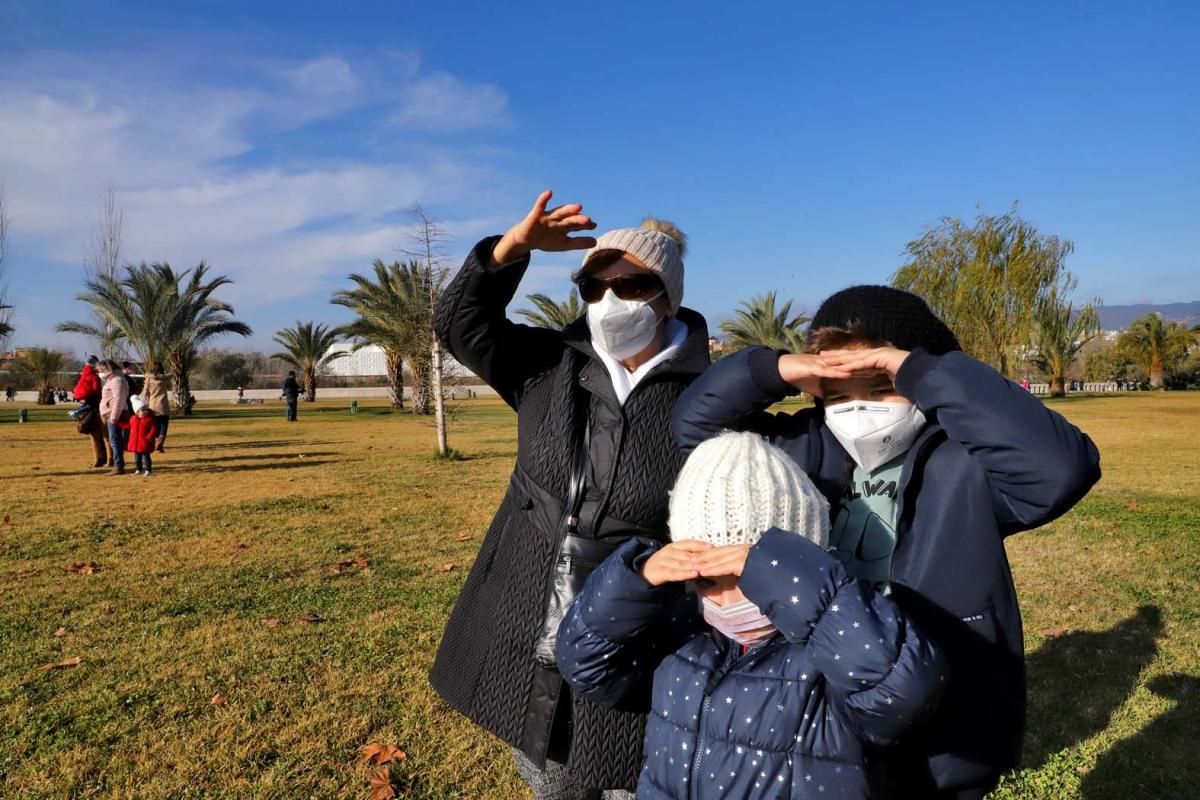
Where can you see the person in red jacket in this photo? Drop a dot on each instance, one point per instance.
(143, 436)
(88, 390)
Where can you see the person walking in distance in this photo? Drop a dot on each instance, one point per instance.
(291, 393)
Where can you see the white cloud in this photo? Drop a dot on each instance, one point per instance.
(443, 102)
(183, 150)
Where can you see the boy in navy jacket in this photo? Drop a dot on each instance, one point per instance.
(929, 459)
(782, 677)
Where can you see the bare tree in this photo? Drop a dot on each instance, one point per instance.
(103, 259)
(5, 327)
(428, 244)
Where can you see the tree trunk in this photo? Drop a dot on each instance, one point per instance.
(1156, 372)
(439, 402)
(1058, 386)
(45, 396)
(310, 387)
(395, 368)
(420, 387)
(183, 393)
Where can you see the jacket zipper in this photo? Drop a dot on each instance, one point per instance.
(729, 660)
(699, 745)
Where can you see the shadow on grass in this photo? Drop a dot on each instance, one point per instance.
(1160, 761)
(250, 445)
(256, 457)
(291, 463)
(1076, 682)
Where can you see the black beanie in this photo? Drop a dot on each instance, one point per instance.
(887, 314)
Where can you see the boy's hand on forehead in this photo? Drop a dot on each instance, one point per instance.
(806, 371)
(866, 363)
(675, 562)
(727, 560)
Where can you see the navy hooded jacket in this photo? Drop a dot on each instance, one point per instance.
(993, 460)
(798, 716)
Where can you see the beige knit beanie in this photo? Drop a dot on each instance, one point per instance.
(657, 244)
(735, 487)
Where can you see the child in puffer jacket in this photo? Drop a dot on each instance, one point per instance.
(780, 676)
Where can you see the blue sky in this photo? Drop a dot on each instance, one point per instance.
(800, 145)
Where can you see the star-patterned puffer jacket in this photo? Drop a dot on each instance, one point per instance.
(803, 715)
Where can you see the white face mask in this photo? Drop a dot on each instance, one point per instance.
(874, 433)
(742, 622)
(622, 328)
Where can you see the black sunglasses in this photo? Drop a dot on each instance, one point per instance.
(634, 286)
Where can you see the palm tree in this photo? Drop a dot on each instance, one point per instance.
(1156, 345)
(1059, 334)
(41, 366)
(5, 329)
(306, 347)
(395, 314)
(552, 315)
(163, 315)
(758, 323)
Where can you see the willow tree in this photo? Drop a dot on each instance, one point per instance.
(1156, 345)
(759, 322)
(393, 313)
(1060, 332)
(163, 315)
(987, 281)
(307, 348)
(551, 314)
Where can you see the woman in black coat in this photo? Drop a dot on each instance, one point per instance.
(594, 403)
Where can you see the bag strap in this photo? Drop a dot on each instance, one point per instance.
(583, 438)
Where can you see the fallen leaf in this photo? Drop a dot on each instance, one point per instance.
(218, 699)
(349, 565)
(324, 506)
(36, 467)
(82, 568)
(27, 573)
(66, 664)
(1132, 506)
(1053, 633)
(377, 753)
(311, 618)
(242, 545)
(463, 537)
(446, 568)
(62, 632)
(7, 519)
(381, 784)
(274, 622)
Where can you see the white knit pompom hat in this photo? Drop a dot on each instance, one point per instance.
(735, 487)
(657, 244)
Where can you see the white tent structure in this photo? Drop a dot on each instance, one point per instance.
(370, 361)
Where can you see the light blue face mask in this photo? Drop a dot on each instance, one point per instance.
(742, 622)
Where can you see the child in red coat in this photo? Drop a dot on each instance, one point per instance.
(142, 433)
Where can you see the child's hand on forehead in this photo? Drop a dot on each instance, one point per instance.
(675, 562)
(866, 363)
(727, 560)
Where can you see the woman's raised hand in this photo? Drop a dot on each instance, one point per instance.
(543, 229)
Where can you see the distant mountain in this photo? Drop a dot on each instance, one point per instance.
(1115, 318)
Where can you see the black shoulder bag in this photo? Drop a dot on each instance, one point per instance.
(578, 555)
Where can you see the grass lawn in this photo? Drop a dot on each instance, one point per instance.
(207, 569)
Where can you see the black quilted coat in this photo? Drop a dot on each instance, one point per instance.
(485, 666)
